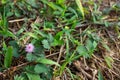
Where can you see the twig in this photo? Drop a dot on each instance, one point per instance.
(58, 60)
(52, 54)
(77, 65)
(17, 20)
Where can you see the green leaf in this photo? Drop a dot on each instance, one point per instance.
(4, 47)
(52, 5)
(33, 76)
(16, 48)
(40, 68)
(46, 44)
(106, 46)
(30, 57)
(109, 61)
(61, 2)
(32, 3)
(18, 77)
(79, 4)
(9, 14)
(95, 44)
(7, 33)
(8, 57)
(89, 45)
(47, 61)
(32, 35)
(50, 38)
(4, 1)
(100, 76)
(40, 33)
(83, 51)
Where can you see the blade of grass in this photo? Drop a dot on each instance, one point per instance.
(79, 4)
(8, 57)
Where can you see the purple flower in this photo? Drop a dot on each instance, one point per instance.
(29, 48)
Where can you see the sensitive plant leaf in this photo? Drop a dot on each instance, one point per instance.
(79, 4)
(8, 57)
(30, 68)
(32, 76)
(109, 61)
(46, 44)
(32, 3)
(100, 76)
(47, 61)
(50, 38)
(18, 77)
(30, 57)
(83, 51)
(41, 68)
(89, 45)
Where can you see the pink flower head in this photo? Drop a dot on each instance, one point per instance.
(29, 48)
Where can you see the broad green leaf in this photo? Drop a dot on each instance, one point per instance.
(33, 76)
(47, 61)
(8, 57)
(79, 4)
(100, 76)
(109, 61)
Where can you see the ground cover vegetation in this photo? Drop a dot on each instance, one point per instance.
(59, 40)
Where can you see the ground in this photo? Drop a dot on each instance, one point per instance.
(71, 40)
